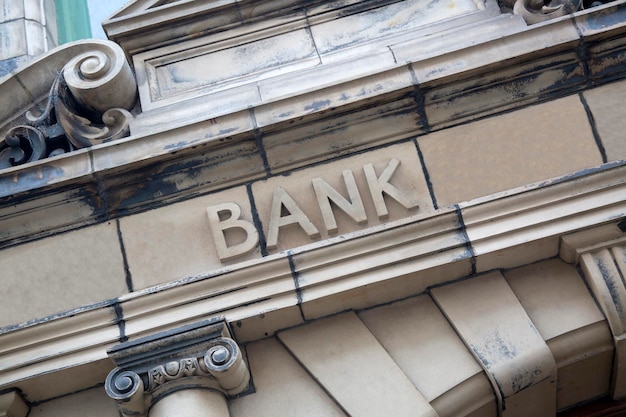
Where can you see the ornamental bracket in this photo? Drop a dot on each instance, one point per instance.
(88, 102)
(201, 358)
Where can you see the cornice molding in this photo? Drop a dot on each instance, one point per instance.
(262, 296)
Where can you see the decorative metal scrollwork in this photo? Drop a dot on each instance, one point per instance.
(88, 104)
(22, 144)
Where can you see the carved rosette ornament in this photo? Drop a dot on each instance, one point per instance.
(194, 357)
(89, 102)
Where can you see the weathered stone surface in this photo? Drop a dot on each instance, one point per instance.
(339, 351)
(174, 242)
(573, 327)
(510, 150)
(301, 396)
(61, 273)
(605, 104)
(421, 341)
(506, 342)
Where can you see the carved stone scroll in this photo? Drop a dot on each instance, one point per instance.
(535, 11)
(88, 103)
(198, 357)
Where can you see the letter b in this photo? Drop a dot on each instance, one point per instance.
(219, 227)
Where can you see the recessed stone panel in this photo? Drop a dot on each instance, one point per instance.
(213, 67)
(387, 20)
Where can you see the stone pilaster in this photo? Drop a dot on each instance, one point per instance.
(189, 371)
(601, 254)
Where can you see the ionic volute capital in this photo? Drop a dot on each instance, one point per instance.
(201, 356)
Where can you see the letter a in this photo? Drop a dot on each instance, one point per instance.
(218, 227)
(380, 185)
(296, 215)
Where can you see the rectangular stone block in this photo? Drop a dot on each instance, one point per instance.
(175, 241)
(605, 103)
(12, 10)
(33, 11)
(35, 38)
(422, 342)
(13, 35)
(511, 87)
(61, 273)
(510, 150)
(294, 393)
(354, 368)
(344, 134)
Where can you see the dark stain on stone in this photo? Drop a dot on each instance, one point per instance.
(524, 378)
(224, 132)
(25, 180)
(612, 286)
(175, 146)
(317, 105)
(607, 63)
(167, 180)
(603, 19)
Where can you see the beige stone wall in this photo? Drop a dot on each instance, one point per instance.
(443, 168)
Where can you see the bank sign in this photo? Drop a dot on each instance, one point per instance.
(321, 202)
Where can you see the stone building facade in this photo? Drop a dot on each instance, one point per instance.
(315, 208)
(28, 28)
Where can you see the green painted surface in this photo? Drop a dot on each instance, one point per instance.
(73, 20)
